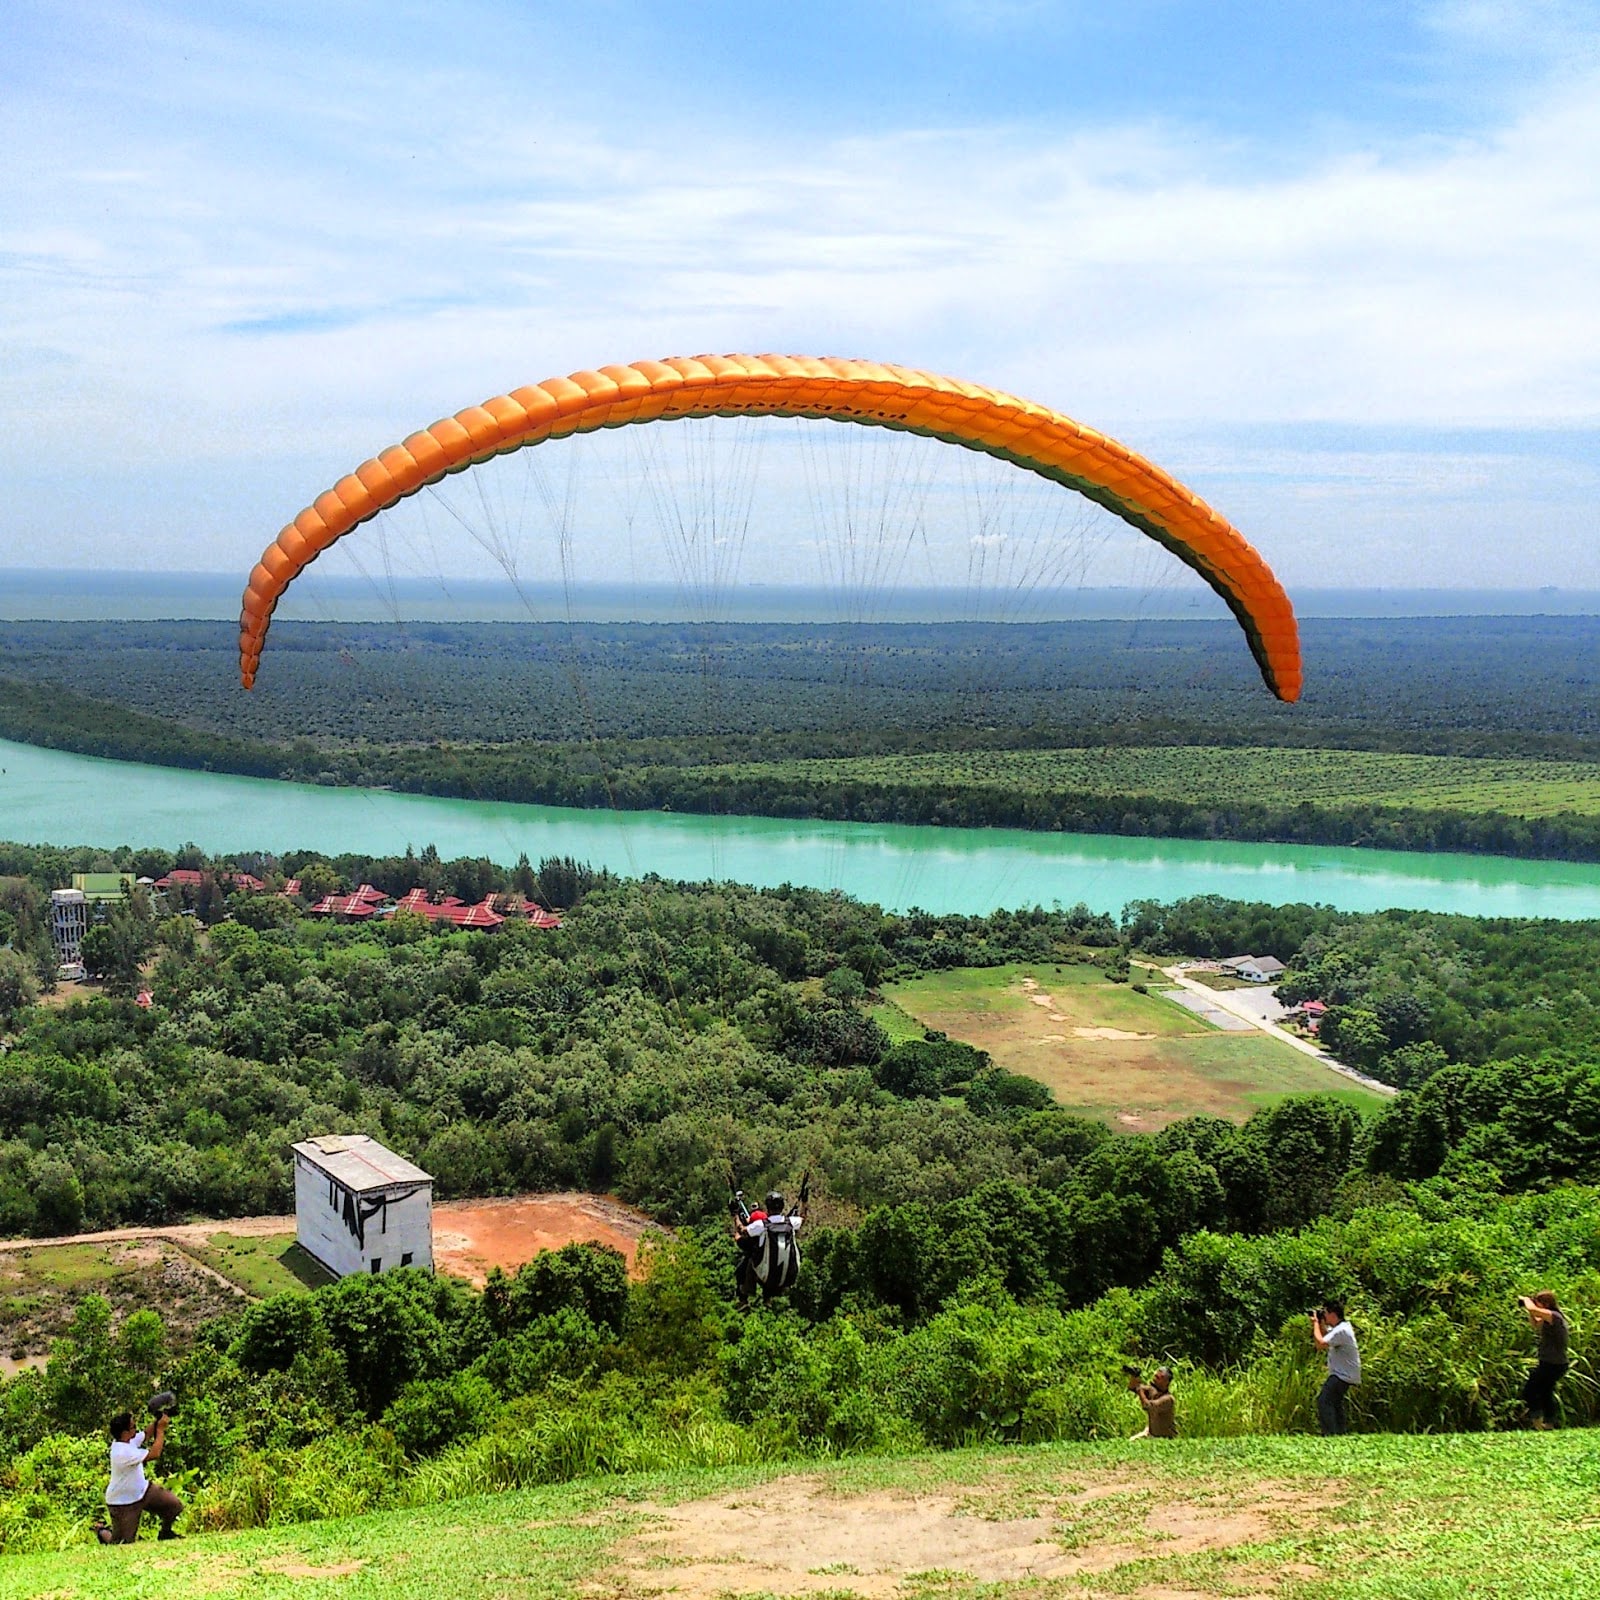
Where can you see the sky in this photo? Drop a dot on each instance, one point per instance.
(1336, 268)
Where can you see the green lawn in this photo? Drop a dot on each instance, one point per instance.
(1373, 1518)
(262, 1265)
(1208, 775)
(1135, 1060)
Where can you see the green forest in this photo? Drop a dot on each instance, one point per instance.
(1155, 728)
(979, 1263)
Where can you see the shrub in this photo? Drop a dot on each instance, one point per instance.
(431, 1415)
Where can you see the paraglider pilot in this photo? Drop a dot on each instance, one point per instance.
(768, 1244)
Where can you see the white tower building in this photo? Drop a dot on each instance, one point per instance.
(69, 921)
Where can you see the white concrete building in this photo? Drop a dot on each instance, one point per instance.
(1261, 969)
(69, 921)
(1253, 969)
(361, 1208)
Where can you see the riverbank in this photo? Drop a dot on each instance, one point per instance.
(52, 797)
(1520, 807)
(1425, 734)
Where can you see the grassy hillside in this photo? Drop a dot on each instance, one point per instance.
(1209, 775)
(1407, 1517)
(1135, 1060)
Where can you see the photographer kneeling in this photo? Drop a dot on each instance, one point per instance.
(130, 1494)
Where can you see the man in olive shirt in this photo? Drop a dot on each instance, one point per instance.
(1551, 1327)
(1160, 1410)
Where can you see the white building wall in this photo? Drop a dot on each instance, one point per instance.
(404, 1228)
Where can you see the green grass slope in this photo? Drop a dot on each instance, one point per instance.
(1409, 1518)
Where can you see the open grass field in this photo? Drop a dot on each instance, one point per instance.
(261, 1264)
(1135, 1060)
(1207, 775)
(1372, 1518)
(40, 1287)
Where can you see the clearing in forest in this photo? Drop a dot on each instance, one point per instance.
(190, 1272)
(1135, 1060)
(471, 1236)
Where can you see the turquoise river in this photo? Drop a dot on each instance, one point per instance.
(47, 797)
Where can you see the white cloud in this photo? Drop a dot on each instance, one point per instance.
(343, 261)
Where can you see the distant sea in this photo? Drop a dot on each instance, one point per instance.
(36, 594)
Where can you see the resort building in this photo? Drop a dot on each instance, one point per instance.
(103, 888)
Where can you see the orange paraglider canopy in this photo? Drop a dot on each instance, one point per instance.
(1030, 436)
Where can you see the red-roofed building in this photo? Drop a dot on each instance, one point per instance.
(348, 907)
(367, 892)
(518, 905)
(180, 878)
(190, 878)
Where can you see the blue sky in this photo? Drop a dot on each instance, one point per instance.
(1335, 267)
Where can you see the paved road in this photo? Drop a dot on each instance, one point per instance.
(1247, 1005)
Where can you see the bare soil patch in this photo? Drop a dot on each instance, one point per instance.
(800, 1536)
(471, 1236)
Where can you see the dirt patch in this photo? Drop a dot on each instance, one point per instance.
(471, 1236)
(1144, 1121)
(798, 1536)
(1108, 1033)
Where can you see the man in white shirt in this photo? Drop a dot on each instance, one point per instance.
(1334, 1335)
(130, 1494)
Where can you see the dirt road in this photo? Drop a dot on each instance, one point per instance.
(469, 1236)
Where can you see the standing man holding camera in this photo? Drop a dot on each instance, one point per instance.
(1334, 1336)
(130, 1494)
(1539, 1394)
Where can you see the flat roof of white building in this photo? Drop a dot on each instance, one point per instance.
(359, 1163)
